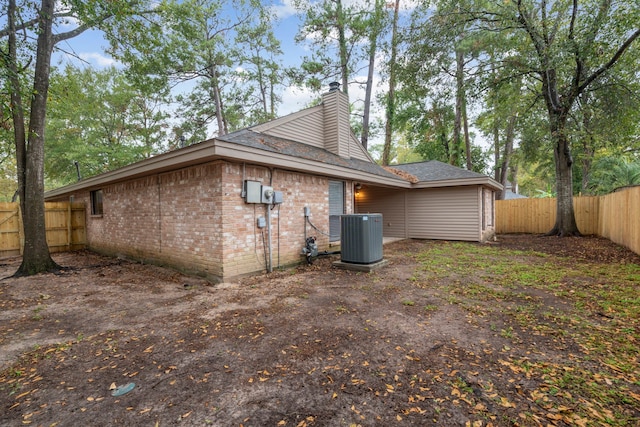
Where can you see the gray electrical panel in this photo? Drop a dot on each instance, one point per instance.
(253, 193)
(278, 197)
(361, 238)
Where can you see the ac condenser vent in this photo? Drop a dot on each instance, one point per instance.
(361, 238)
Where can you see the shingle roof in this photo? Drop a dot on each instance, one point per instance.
(434, 170)
(296, 149)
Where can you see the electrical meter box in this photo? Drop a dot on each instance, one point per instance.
(267, 194)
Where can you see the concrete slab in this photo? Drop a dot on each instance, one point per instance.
(360, 267)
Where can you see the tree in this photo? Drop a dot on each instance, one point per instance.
(390, 109)
(345, 38)
(225, 50)
(574, 46)
(376, 26)
(24, 22)
(611, 173)
(30, 140)
(437, 67)
(100, 120)
(561, 50)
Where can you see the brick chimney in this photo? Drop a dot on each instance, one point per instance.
(337, 130)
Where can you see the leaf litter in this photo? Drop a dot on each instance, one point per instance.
(527, 330)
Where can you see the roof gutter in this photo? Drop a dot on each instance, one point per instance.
(485, 180)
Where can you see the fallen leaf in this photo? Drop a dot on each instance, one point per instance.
(505, 402)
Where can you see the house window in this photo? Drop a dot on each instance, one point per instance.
(336, 208)
(96, 202)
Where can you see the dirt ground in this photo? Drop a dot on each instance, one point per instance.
(310, 346)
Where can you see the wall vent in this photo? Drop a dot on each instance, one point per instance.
(361, 238)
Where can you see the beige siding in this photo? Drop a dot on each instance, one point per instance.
(445, 213)
(337, 130)
(307, 127)
(390, 203)
(357, 151)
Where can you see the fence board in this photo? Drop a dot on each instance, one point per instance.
(614, 216)
(64, 222)
(619, 219)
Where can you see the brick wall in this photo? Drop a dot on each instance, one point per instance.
(243, 240)
(195, 219)
(170, 219)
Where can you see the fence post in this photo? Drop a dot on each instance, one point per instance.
(69, 226)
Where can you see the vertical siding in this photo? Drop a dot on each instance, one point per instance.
(390, 202)
(356, 150)
(444, 213)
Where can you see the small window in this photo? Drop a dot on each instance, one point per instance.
(96, 202)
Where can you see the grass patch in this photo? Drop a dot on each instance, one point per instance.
(595, 308)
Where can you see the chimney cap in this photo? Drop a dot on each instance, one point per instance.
(334, 86)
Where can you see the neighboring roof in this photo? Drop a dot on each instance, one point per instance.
(510, 195)
(433, 173)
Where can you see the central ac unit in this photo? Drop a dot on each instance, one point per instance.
(361, 238)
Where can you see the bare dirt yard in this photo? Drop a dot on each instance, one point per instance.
(524, 331)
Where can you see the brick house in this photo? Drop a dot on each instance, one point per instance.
(202, 208)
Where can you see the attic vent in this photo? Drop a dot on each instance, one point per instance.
(334, 86)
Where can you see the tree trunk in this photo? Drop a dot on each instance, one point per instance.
(36, 257)
(222, 127)
(454, 158)
(565, 225)
(467, 139)
(386, 151)
(506, 156)
(364, 139)
(17, 108)
(496, 151)
(373, 47)
(342, 42)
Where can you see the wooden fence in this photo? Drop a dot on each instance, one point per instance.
(614, 216)
(64, 221)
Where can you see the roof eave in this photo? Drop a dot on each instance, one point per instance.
(485, 180)
(192, 155)
(216, 149)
